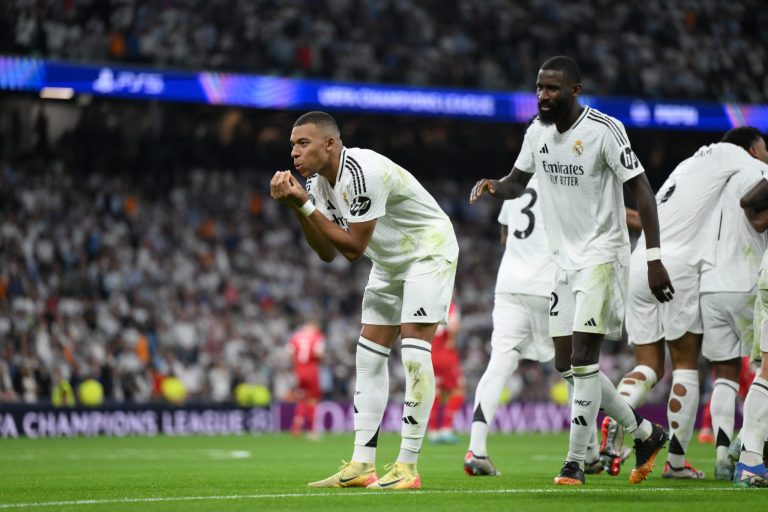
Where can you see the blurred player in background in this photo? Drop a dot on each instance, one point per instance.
(583, 157)
(728, 297)
(307, 348)
(449, 380)
(520, 316)
(751, 468)
(690, 224)
(359, 202)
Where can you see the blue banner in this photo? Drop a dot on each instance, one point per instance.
(269, 92)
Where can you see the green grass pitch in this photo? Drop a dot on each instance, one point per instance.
(269, 472)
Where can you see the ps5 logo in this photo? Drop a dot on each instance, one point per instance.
(110, 81)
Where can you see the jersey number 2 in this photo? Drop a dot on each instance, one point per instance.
(522, 235)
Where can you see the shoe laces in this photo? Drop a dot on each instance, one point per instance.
(344, 465)
(394, 468)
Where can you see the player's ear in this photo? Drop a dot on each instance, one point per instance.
(576, 90)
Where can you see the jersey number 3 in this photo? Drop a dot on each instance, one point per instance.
(522, 235)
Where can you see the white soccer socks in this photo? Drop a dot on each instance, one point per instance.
(500, 367)
(723, 410)
(617, 408)
(681, 413)
(371, 395)
(633, 389)
(584, 408)
(419, 396)
(755, 429)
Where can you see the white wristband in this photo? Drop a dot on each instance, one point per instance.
(307, 208)
(652, 254)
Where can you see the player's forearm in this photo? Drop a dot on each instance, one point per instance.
(339, 239)
(510, 186)
(758, 220)
(757, 196)
(646, 207)
(316, 240)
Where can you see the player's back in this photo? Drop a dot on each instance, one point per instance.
(688, 202)
(739, 246)
(526, 267)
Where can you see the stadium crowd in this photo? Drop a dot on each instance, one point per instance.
(711, 49)
(123, 261)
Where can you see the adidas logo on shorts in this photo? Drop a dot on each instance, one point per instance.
(420, 312)
(591, 323)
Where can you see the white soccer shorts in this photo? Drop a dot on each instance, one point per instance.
(521, 322)
(727, 319)
(588, 300)
(422, 296)
(649, 320)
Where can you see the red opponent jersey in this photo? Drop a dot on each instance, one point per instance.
(307, 346)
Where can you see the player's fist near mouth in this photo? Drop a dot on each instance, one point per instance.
(286, 189)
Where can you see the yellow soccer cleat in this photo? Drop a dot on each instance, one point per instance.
(350, 474)
(399, 476)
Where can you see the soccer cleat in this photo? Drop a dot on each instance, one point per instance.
(724, 469)
(350, 474)
(687, 472)
(646, 452)
(613, 460)
(734, 450)
(706, 436)
(571, 474)
(479, 466)
(612, 436)
(750, 476)
(399, 476)
(595, 467)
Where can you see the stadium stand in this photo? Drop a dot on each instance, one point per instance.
(712, 49)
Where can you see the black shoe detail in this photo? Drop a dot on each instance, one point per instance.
(722, 438)
(638, 419)
(644, 450)
(572, 470)
(479, 416)
(374, 440)
(675, 448)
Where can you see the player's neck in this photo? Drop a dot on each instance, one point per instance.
(565, 123)
(331, 171)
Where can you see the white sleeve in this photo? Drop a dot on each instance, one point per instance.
(618, 152)
(525, 161)
(368, 191)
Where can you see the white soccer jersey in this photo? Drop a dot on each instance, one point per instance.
(739, 247)
(581, 177)
(411, 226)
(688, 202)
(525, 267)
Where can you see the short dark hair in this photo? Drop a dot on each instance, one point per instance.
(566, 65)
(743, 136)
(320, 119)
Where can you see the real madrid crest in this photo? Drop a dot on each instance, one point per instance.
(578, 148)
(344, 196)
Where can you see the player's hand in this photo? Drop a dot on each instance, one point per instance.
(481, 186)
(659, 282)
(284, 187)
